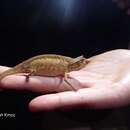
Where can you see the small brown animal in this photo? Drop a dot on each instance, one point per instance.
(48, 65)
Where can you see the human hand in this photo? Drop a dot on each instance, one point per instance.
(104, 83)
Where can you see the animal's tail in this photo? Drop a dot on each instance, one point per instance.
(7, 72)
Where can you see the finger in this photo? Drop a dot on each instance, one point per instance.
(2, 69)
(88, 98)
(38, 84)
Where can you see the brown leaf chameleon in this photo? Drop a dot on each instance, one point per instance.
(48, 65)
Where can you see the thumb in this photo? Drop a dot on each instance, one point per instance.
(94, 98)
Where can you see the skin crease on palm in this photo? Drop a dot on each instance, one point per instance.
(103, 83)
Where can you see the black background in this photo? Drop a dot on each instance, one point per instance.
(27, 29)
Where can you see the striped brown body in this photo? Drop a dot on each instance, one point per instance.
(47, 65)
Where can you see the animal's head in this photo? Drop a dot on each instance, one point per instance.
(78, 63)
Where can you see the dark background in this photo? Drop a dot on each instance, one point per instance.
(29, 28)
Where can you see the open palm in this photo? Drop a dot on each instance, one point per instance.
(103, 83)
